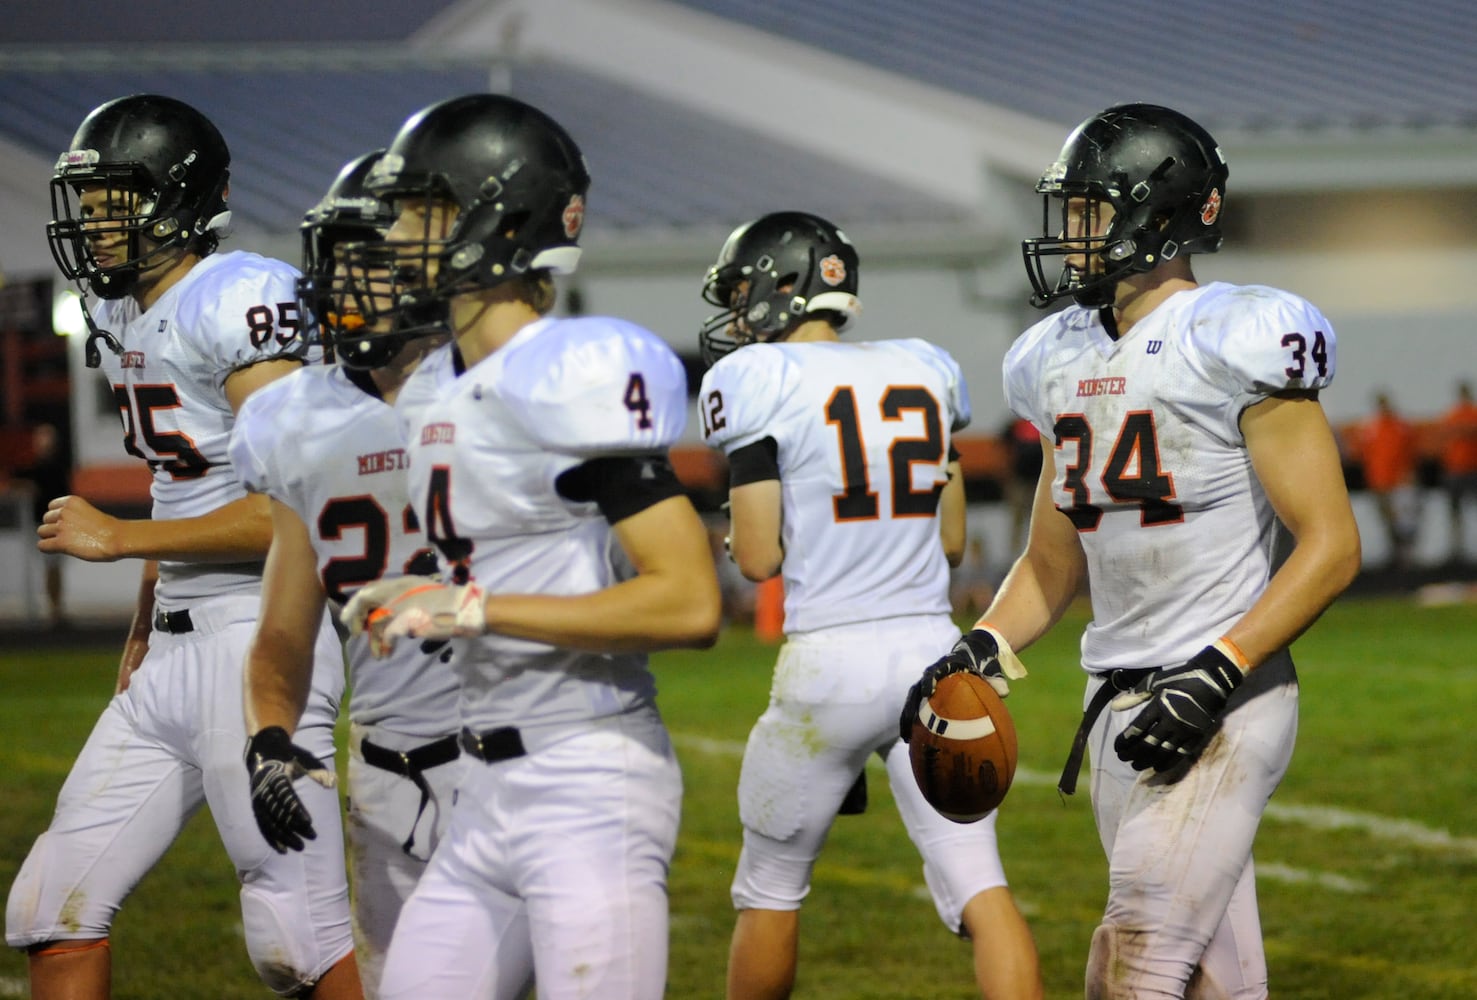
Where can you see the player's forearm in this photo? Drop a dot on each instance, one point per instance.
(240, 531)
(279, 675)
(1034, 595)
(650, 612)
(1319, 568)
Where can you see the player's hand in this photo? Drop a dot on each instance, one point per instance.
(273, 762)
(982, 651)
(415, 606)
(72, 526)
(1182, 708)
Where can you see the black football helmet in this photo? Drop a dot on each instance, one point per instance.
(518, 184)
(796, 265)
(1164, 177)
(349, 212)
(164, 167)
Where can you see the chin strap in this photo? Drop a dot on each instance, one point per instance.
(91, 354)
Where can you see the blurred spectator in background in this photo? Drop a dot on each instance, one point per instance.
(50, 476)
(1023, 447)
(971, 586)
(1388, 454)
(1458, 431)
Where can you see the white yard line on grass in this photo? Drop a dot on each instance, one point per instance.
(10, 986)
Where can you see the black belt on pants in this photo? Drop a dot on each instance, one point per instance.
(502, 743)
(410, 764)
(1115, 682)
(173, 622)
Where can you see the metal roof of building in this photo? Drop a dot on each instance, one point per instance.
(1249, 65)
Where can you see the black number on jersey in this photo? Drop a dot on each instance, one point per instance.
(440, 531)
(342, 574)
(1301, 354)
(174, 451)
(638, 402)
(712, 413)
(1131, 476)
(263, 325)
(906, 501)
(858, 502)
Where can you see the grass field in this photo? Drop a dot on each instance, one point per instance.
(1367, 858)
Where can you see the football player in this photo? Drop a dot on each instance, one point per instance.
(187, 334)
(569, 551)
(842, 479)
(1181, 430)
(341, 518)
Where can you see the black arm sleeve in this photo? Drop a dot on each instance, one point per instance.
(754, 463)
(620, 486)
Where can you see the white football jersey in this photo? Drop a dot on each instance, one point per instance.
(431, 380)
(332, 452)
(1151, 465)
(863, 431)
(230, 311)
(483, 467)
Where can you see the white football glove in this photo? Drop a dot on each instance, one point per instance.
(417, 606)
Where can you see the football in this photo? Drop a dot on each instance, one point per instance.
(963, 748)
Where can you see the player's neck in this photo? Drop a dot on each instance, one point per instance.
(485, 322)
(1139, 295)
(811, 332)
(153, 283)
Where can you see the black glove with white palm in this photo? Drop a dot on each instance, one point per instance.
(273, 761)
(1182, 710)
(983, 651)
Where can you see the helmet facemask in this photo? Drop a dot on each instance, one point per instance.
(347, 214)
(116, 211)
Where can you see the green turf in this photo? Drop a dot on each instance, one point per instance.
(1369, 853)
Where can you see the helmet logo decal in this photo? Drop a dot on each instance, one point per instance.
(1211, 210)
(833, 270)
(574, 216)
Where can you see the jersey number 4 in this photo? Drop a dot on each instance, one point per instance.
(858, 502)
(1132, 474)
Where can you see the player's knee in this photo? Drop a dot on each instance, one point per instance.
(283, 951)
(1107, 975)
(38, 912)
(762, 881)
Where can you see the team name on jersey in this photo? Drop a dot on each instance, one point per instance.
(393, 460)
(442, 433)
(1115, 386)
(133, 359)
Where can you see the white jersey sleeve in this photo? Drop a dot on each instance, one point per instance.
(1257, 341)
(597, 386)
(741, 395)
(244, 312)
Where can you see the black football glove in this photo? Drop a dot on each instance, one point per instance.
(1183, 710)
(980, 651)
(272, 762)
